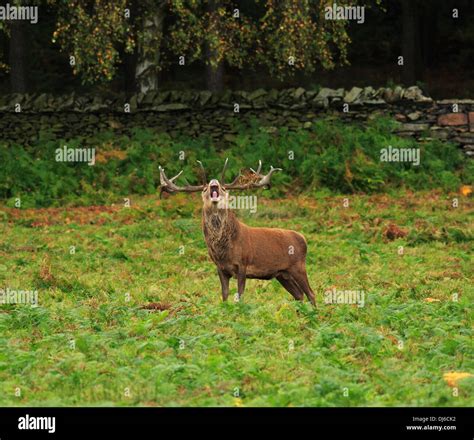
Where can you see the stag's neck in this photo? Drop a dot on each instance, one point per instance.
(220, 228)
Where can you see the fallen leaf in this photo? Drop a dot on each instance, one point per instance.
(431, 300)
(453, 377)
(466, 190)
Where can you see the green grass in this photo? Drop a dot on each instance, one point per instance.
(203, 352)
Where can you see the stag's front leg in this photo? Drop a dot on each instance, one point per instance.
(224, 284)
(241, 277)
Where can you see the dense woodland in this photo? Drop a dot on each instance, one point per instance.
(116, 46)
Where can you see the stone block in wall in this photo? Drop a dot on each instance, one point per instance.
(298, 93)
(456, 101)
(204, 97)
(353, 95)
(393, 95)
(439, 133)
(470, 117)
(407, 134)
(452, 119)
(298, 106)
(320, 102)
(256, 94)
(368, 93)
(465, 138)
(170, 107)
(414, 116)
(469, 150)
(326, 93)
(415, 128)
(375, 102)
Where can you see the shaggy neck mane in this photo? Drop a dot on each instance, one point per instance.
(220, 228)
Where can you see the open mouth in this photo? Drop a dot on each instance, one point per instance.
(214, 193)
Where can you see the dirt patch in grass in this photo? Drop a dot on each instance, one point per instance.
(61, 216)
(393, 232)
(156, 306)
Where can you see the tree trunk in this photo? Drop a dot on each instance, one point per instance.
(148, 53)
(130, 59)
(429, 31)
(130, 67)
(214, 74)
(18, 57)
(410, 43)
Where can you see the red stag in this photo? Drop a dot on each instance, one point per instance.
(241, 251)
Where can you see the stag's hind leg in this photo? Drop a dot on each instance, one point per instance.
(289, 284)
(241, 278)
(301, 279)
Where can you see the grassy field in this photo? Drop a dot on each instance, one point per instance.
(93, 341)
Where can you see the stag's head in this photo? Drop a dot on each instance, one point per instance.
(215, 193)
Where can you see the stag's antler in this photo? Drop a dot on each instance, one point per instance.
(168, 185)
(262, 182)
(203, 173)
(228, 185)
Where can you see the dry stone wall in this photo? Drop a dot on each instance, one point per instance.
(190, 113)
